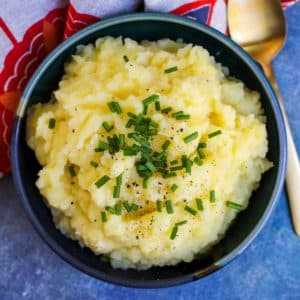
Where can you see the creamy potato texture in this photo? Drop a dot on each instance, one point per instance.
(228, 168)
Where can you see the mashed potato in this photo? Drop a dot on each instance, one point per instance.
(213, 160)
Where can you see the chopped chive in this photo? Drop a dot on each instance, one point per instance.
(149, 165)
(129, 123)
(118, 209)
(107, 127)
(177, 113)
(169, 175)
(199, 204)
(121, 140)
(110, 209)
(212, 196)
(100, 182)
(150, 99)
(181, 223)
(165, 145)
(114, 107)
(72, 171)
(101, 147)
(117, 190)
(157, 106)
(134, 207)
(169, 207)
(119, 179)
(183, 160)
(198, 161)
(153, 124)
(158, 206)
(152, 132)
(166, 110)
(94, 164)
(145, 109)
(131, 115)
(103, 216)
(105, 258)
(188, 166)
(215, 133)
(127, 206)
(190, 137)
(174, 162)
(145, 183)
(129, 152)
(51, 123)
(174, 232)
(190, 210)
(183, 117)
(200, 153)
(234, 205)
(174, 187)
(125, 58)
(170, 70)
(177, 168)
(202, 145)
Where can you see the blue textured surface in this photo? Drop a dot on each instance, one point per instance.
(268, 269)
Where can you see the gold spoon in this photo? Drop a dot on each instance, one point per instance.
(259, 27)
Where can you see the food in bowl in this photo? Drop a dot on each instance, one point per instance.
(148, 150)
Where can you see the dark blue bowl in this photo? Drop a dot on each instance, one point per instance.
(248, 223)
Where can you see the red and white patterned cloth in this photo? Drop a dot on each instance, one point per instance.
(30, 29)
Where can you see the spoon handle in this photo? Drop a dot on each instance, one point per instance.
(293, 166)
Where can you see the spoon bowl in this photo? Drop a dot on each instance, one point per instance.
(259, 27)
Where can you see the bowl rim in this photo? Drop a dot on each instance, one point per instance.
(252, 65)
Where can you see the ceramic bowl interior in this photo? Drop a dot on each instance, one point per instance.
(247, 224)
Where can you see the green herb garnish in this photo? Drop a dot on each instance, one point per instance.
(51, 123)
(129, 152)
(183, 117)
(199, 204)
(181, 223)
(127, 206)
(169, 175)
(174, 162)
(150, 99)
(102, 146)
(110, 209)
(190, 210)
(72, 171)
(107, 127)
(157, 106)
(103, 216)
(117, 188)
(177, 168)
(125, 58)
(174, 187)
(169, 207)
(165, 145)
(212, 196)
(215, 133)
(94, 164)
(170, 70)
(118, 209)
(174, 232)
(100, 182)
(158, 206)
(198, 161)
(166, 110)
(234, 205)
(190, 137)
(114, 107)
